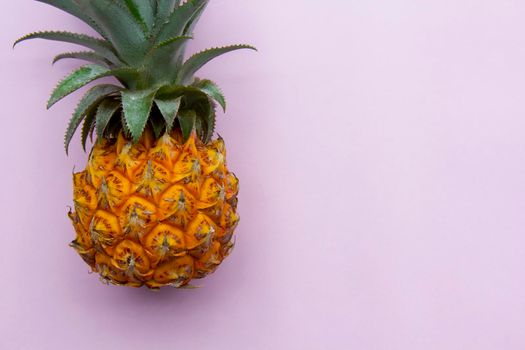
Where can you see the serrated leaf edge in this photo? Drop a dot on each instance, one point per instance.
(54, 99)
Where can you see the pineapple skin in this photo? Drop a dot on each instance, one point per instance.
(155, 213)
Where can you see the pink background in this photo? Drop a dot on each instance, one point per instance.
(381, 149)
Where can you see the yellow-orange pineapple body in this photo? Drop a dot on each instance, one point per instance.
(155, 213)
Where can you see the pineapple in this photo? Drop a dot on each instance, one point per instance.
(156, 204)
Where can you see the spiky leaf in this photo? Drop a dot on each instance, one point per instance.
(144, 48)
(212, 90)
(200, 129)
(166, 6)
(210, 120)
(181, 18)
(137, 106)
(206, 119)
(115, 125)
(172, 91)
(89, 56)
(88, 102)
(197, 61)
(157, 124)
(87, 127)
(169, 109)
(126, 34)
(165, 59)
(164, 9)
(79, 78)
(105, 112)
(143, 11)
(72, 8)
(157, 127)
(187, 120)
(99, 46)
(125, 127)
(190, 25)
(131, 78)
(112, 130)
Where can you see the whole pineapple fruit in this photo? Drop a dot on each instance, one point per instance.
(156, 204)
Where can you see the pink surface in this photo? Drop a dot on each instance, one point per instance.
(381, 151)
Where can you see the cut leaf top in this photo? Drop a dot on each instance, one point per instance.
(142, 45)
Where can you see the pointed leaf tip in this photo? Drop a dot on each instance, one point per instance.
(89, 56)
(182, 19)
(102, 47)
(72, 7)
(137, 107)
(86, 106)
(106, 110)
(207, 121)
(79, 78)
(187, 120)
(89, 123)
(212, 90)
(197, 61)
(169, 109)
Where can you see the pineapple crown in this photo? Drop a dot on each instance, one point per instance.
(142, 45)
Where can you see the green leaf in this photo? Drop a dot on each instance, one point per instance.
(79, 78)
(157, 124)
(115, 125)
(143, 11)
(206, 119)
(99, 46)
(165, 59)
(197, 61)
(105, 112)
(181, 17)
(126, 34)
(128, 76)
(163, 11)
(210, 120)
(212, 90)
(86, 104)
(172, 91)
(89, 123)
(169, 109)
(187, 123)
(125, 128)
(137, 107)
(194, 19)
(89, 56)
(72, 8)
(199, 129)
(165, 7)
(92, 130)
(169, 43)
